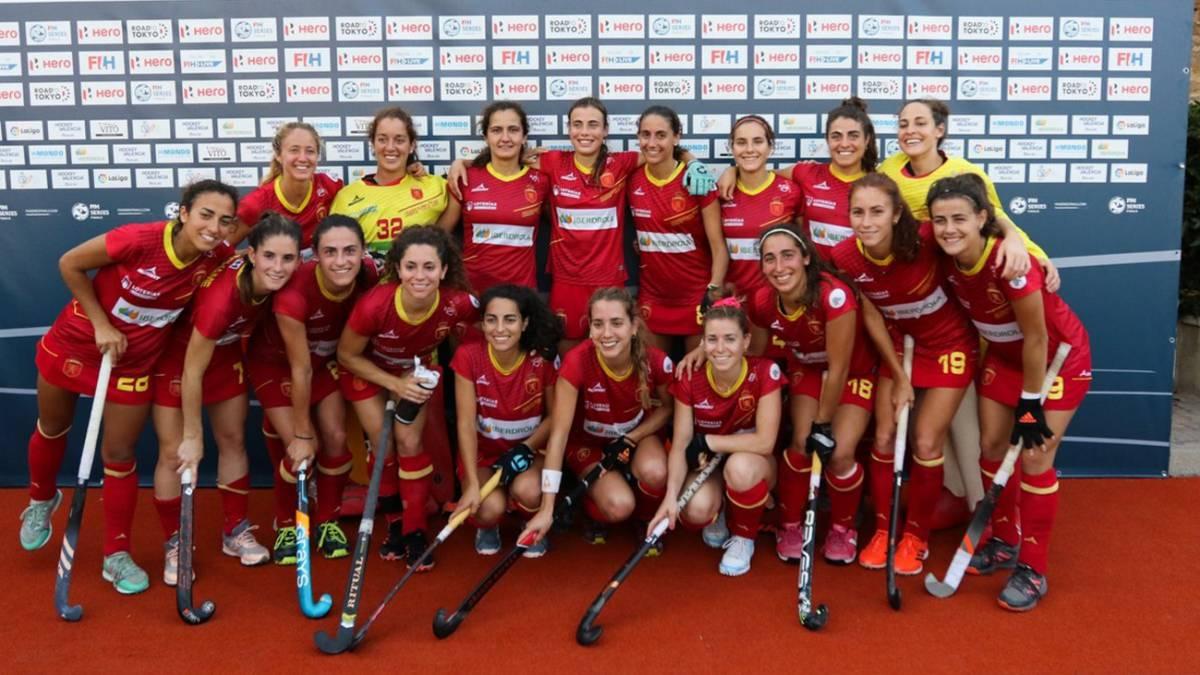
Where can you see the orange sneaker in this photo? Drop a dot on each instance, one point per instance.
(874, 555)
(909, 554)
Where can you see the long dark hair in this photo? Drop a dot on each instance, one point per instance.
(333, 222)
(602, 157)
(202, 187)
(854, 108)
(544, 329)
(271, 224)
(447, 252)
(672, 119)
(814, 268)
(966, 186)
(637, 346)
(395, 113)
(485, 120)
(937, 109)
(906, 240)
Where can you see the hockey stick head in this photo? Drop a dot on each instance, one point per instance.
(334, 644)
(894, 598)
(587, 634)
(938, 589)
(816, 619)
(197, 615)
(69, 612)
(444, 626)
(318, 609)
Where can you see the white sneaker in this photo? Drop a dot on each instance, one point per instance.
(243, 546)
(171, 561)
(716, 533)
(738, 552)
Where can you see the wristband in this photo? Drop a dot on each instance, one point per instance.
(551, 480)
(1031, 396)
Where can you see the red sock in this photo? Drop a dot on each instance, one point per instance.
(746, 509)
(1006, 522)
(119, 495)
(648, 499)
(168, 515)
(792, 487)
(45, 458)
(523, 512)
(332, 474)
(235, 502)
(416, 481)
(1039, 505)
(882, 479)
(924, 488)
(285, 495)
(844, 495)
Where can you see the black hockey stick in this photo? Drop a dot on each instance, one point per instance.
(893, 591)
(183, 586)
(810, 618)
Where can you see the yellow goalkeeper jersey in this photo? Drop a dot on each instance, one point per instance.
(384, 210)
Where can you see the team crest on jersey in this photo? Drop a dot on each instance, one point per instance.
(532, 385)
(72, 368)
(285, 388)
(531, 195)
(443, 329)
(776, 207)
(416, 193)
(198, 277)
(746, 402)
(322, 211)
(644, 310)
(175, 388)
(607, 179)
(678, 202)
(995, 295)
(815, 326)
(989, 376)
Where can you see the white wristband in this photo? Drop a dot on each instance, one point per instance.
(1034, 396)
(551, 480)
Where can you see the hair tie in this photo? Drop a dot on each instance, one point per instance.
(730, 301)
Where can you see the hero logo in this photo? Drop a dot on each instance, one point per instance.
(568, 26)
(929, 27)
(310, 90)
(1079, 88)
(10, 35)
(102, 93)
(777, 26)
(216, 91)
(779, 57)
(673, 26)
(410, 89)
(1029, 89)
(516, 27)
(980, 58)
(306, 28)
(11, 94)
(463, 58)
(621, 26)
(563, 58)
(827, 86)
(148, 32)
(1080, 58)
(1031, 28)
(1129, 59)
(723, 26)
(254, 30)
(515, 58)
(463, 88)
(50, 63)
(674, 57)
(517, 88)
(201, 30)
(353, 28)
(98, 32)
(360, 58)
(622, 87)
(723, 87)
(255, 61)
(980, 28)
(889, 87)
(51, 93)
(1131, 30)
(890, 57)
(672, 87)
(304, 60)
(937, 87)
(408, 27)
(151, 63)
(1129, 89)
(828, 26)
(725, 57)
(929, 58)
(256, 91)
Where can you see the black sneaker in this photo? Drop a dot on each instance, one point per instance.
(1023, 590)
(332, 540)
(994, 555)
(285, 546)
(393, 547)
(595, 533)
(416, 543)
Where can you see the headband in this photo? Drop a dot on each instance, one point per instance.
(783, 230)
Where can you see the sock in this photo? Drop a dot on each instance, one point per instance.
(1039, 505)
(168, 515)
(882, 479)
(792, 488)
(924, 488)
(285, 495)
(416, 481)
(389, 489)
(1006, 522)
(523, 512)
(235, 502)
(647, 499)
(844, 495)
(45, 458)
(332, 474)
(119, 494)
(746, 509)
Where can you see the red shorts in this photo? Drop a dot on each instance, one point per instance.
(224, 379)
(272, 382)
(664, 319)
(859, 390)
(950, 367)
(1002, 382)
(72, 374)
(569, 302)
(354, 388)
(581, 455)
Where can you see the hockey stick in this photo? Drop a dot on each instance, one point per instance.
(340, 642)
(66, 557)
(810, 618)
(893, 592)
(313, 610)
(183, 587)
(983, 512)
(587, 634)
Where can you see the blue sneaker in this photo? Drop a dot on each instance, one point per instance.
(35, 522)
(487, 541)
(537, 550)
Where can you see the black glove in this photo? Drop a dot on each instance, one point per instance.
(820, 440)
(1029, 425)
(698, 453)
(515, 461)
(619, 451)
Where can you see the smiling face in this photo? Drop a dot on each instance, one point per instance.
(873, 217)
(209, 221)
(847, 143)
(420, 271)
(298, 155)
(751, 147)
(505, 136)
(587, 130)
(503, 325)
(783, 264)
(339, 254)
(957, 225)
(657, 140)
(392, 145)
(274, 261)
(918, 132)
(611, 329)
(725, 343)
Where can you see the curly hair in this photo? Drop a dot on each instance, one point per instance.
(447, 253)
(544, 329)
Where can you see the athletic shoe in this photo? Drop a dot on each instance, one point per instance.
(996, 554)
(285, 546)
(487, 540)
(716, 533)
(841, 545)
(35, 522)
(656, 549)
(874, 556)
(393, 546)
(171, 561)
(738, 552)
(416, 544)
(124, 574)
(909, 554)
(789, 542)
(243, 546)
(332, 540)
(595, 533)
(537, 550)
(1023, 590)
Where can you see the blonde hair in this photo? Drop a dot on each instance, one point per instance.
(276, 168)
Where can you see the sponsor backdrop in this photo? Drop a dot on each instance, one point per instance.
(109, 107)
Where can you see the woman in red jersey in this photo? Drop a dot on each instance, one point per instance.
(292, 187)
(731, 406)
(502, 389)
(1023, 324)
(393, 328)
(501, 204)
(203, 368)
(681, 249)
(610, 397)
(145, 276)
(292, 367)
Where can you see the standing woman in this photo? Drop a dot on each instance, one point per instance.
(203, 368)
(611, 396)
(421, 303)
(145, 275)
(501, 205)
(731, 406)
(502, 389)
(680, 245)
(292, 367)
(1023, 324)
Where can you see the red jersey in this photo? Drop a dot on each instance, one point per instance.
(609, 405)
(508, 403)
(397, 337)
(826, 206)
(676, 262)
(308, 213)
(588, 220)
(218, 312)
(745, 217)
(803, 332)
(500, 215)
(987, 297)
(733, 411)
(910, 296)
(144, 290)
